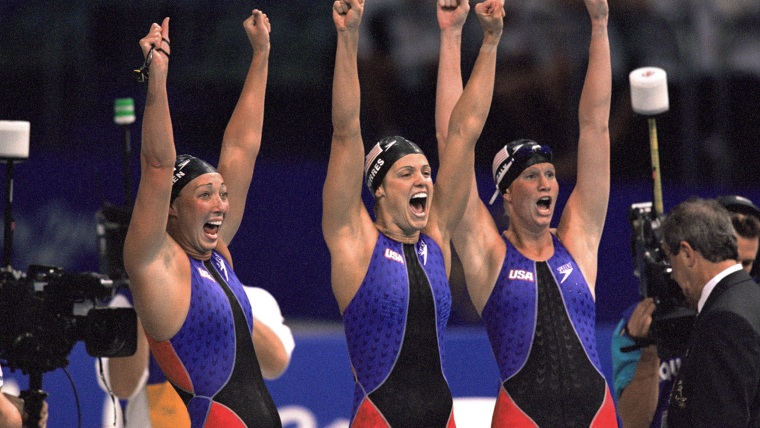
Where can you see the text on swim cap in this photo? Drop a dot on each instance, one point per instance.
(178, 171)
(375, 170)
(503, 170)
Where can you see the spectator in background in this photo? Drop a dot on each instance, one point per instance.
(151, 400)
(719, 380)
(745, 217)
(725, 45)
(641, 379)
(399, 49)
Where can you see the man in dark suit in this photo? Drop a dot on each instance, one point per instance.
(719, 381)
(642, 381)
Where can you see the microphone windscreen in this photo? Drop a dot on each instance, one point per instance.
(14, 139)
(124, 111)
(649, 90)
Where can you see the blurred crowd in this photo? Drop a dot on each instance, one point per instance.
(709, 49)
(65, 82)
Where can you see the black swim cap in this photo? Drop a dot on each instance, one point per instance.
(186, 168)
(379, 160)
(512, 159)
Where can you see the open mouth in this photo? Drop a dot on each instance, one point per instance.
(544, 203)
(212, 228)
(418, 202)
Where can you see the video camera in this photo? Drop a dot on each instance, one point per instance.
(47, 311)
(671, 320)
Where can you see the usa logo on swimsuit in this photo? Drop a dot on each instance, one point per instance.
(392, 255)
(520, 274)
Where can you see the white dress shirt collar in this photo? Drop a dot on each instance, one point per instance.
(707, 290)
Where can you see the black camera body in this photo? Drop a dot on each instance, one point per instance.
(672, 320)
(46, 311)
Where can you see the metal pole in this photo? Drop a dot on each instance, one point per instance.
(655, 154)
(127, 154)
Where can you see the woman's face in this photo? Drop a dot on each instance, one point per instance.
(199, 212)
(407, 190)
(533, 195)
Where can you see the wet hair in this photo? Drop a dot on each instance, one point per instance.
(511, 160)
(383, 155)
(186, 168)
(706, 225)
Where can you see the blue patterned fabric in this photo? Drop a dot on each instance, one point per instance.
(510, 313)
(375, 319)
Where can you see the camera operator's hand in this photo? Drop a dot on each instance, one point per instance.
(19, 403)
(638, 401)
(9, 412)
(641, 320)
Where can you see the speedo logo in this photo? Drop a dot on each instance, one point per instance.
(423, 251)
(565, 270)
(392, 255)
(220, 266)
(520, 274)
(178, 171)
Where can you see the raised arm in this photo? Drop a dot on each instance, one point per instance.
(455, 174)
(583, 218)
(476, 233)
(158, 270)
(346, 224)
(242, 137)
(452, 15)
